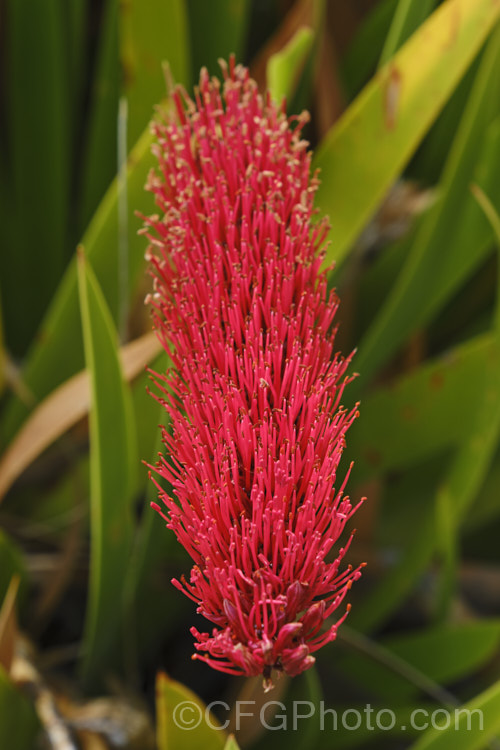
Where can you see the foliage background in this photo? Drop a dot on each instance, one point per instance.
(405, 104)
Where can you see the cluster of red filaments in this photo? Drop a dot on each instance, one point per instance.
(257, 431)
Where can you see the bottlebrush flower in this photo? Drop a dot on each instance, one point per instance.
(257, 434)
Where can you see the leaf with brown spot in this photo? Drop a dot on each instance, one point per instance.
(361, 157)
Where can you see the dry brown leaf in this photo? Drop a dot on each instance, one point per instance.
(57, 735)
(62, 409)
(69, 724)
(8, 625)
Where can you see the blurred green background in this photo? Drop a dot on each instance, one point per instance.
(405, 104)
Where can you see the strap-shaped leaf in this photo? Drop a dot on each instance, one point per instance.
(182, 719)
(367, 149)
(113, 463)
(470, 727)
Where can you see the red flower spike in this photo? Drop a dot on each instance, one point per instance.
(242, 307)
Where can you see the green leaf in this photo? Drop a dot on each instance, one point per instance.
(293, 720)
(113, 464)
(427, 166)
(154, 546)
(60, 338)
(100, 143)
(419, 412)
(36, 119)
(407, 18)
(152, 32)
(415, 548)
(152, 540)
(148, 414)
(420, 419)
(494, 220)
(470, 376)
(360, 60)
(370, 730)
(309, 732)
(18, 721)
(448, 652)
(75, 13)
(218, 29)
(283, 68)
(473, 460)
(486, 507)
(419, 288)
(470, 728)
(465, 478)
(444, 654)
(471, 243)
(231, 743)
(183, 720)
(367, 149)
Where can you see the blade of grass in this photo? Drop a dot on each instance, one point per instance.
(113, 463)
(366, 150)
